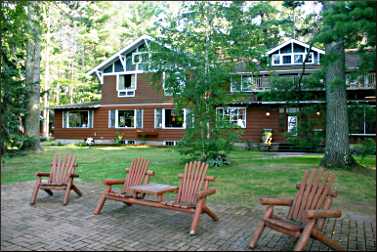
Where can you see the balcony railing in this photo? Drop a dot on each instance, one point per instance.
(362, 82)
(367, 81)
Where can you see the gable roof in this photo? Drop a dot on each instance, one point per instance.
(296, 42)
(116, 55)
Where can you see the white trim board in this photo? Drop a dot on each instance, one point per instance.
(120, 52)
(296, 42)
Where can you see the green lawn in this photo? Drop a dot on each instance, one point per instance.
(251, 174)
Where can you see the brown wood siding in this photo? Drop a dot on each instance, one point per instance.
(256, 121)
(101, 130)
(145, 92)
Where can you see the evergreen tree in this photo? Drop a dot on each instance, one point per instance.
(344, 24)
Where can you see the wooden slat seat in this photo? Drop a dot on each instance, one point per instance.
(59, 178)
(284, 224)
(137, 174)
(307, 212)
(179, 205)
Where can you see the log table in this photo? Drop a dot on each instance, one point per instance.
(154, 189)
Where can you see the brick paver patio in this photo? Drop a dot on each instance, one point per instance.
(50, 226)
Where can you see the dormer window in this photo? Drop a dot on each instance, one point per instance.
(294, 52)
(291, 58)
(126, 85)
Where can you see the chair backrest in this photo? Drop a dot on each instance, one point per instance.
(191, 182)
(314, 192)
(136, 174)
(62, 167)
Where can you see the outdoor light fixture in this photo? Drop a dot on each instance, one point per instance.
(267, 113)
(318, 113)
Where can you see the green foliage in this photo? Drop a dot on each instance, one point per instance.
(118, 138)
(205, 35)
(14, 93)
(364, 148)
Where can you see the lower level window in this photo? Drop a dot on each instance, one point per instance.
(170, 143)
(170, 118)
(126, 118)
(234, 115)
(362, 119)
(78, 119)
(132, 118)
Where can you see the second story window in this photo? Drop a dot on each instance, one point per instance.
(241, 83)
(126, 85)
(291, 58)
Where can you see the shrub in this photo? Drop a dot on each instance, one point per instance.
(365, 147)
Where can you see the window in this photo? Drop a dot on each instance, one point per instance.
(234, 115)
(287, 59)
(126, 85)
(78, 119)
(292, 124)
(362, 119)
(170, 118)
(126, 118)
(170, 143)
(291, 58)
(275, 59)
(241, 83)
(299, 58)
(178, 78)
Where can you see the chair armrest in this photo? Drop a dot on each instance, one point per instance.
(42, 174)
(318, 214)
(276, 201)
(113, 181)
(204, 194)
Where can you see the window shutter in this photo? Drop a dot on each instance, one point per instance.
(90, 119)
(63, 119)
(158, 118)
(111, 119)
(139, 118)
(189, 118)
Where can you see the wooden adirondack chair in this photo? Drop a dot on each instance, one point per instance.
(192, 193)
(307, 212)
(138, 174)
(59, 178)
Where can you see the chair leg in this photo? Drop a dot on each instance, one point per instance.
(76, 190)
(305, 236)
(100, 204)
(257, 234)
(260, 228)
(66, 195)
(210, 213)
(196, 218)
(35, 192)
(316, 234)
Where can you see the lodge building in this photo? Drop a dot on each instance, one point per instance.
(133, 108)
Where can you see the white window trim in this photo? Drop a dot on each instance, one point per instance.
(117, 119)
(225, 108)
(66, 117)
(163, 119)
(292, 58)
(127, 89)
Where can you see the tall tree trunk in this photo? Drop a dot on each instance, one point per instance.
(337, 151)
(46, 113)
(33, 78)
